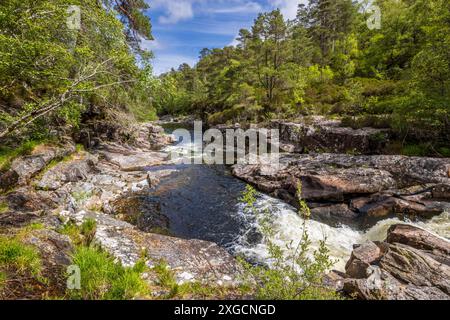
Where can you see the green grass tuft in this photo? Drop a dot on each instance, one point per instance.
(104, 279)
(20, 257)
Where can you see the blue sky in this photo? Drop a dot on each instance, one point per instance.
(182, 28)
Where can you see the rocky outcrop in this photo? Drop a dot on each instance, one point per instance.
(411, 264)
(320, 135)
(152, 137)
(89, 185)
(24, 168)
(65, 172)
(191, 260)
(371, 186)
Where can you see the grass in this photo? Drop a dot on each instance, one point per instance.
(88, 229)
(416, 150)
(4, 207)
(19, 257)
(81, 196)
(8, 154)
(165, 278)
(104, 279)
(80, 235)
(71, 230)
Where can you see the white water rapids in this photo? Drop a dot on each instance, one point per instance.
(288, 226)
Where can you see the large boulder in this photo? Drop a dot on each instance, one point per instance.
(411, 264)
(373, 186)
(65, 172)
(153, 137)
(321, 135)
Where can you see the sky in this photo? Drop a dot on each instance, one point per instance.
(182, 28)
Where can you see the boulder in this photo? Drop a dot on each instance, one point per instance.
(24, 168)
(153, 137)
(320, 135)
(374, 186)
(65, 172)
(129, 159)
(191, 260)
(412, 264)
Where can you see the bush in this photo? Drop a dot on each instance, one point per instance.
(293, 274)
(104, 279)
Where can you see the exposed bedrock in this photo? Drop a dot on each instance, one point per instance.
(411, 264)
(349, 187)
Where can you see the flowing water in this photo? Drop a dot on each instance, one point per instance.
(202, 202)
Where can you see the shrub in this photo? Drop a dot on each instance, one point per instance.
(3, 207)
(104, 279)
(293, 274)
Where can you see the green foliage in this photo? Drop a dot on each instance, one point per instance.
(104, 279)
(293, 273)
(3, 207)
(88, 229)
(51, 74)
(82, 234)
(8, 154)
(327, 62)
(19, 257)
(71, 230)
(416, 150)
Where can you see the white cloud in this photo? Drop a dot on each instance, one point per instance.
(247, 7)
(288, 7)
(177, 11)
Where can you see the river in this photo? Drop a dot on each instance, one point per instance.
(203, 202)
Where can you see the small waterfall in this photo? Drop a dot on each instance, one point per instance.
(288, 226)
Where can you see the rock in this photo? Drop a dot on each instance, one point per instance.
(203, 261)
(418, 239)
(26, 167)
(28, 200)
(152, 137)
(372, 184)
(321, 135)
(441, 192)
(382, 205)
(55, 248)
(411, 264)
(129, 160)
(65, 172)
(361, 259)
(337, 212)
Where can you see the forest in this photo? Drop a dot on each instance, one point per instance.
(328, 62)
